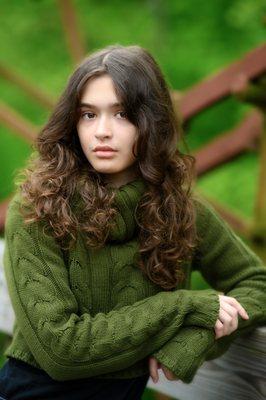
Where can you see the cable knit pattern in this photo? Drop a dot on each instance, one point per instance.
(86, 312)
(228, 265)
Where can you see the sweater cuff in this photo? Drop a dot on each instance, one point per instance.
(185, 353)
(206, 306)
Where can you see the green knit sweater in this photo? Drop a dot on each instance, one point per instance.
(84, 312)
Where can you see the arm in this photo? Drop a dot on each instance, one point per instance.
(68, 345)
(230, 266)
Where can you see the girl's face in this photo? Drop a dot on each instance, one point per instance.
(102, 123)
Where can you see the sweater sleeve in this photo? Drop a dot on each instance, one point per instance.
(229, 266)
(68, 345)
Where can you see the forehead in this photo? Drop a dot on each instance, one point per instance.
(99, 90)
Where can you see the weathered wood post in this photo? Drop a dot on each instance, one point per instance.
(255, 93)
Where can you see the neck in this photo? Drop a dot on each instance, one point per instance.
(121, 179)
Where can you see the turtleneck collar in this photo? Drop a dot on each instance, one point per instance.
(126, 200)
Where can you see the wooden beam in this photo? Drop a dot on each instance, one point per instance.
(230, 144)
(16, 123)
(37, 94)
(258, 234)
(220, 85)
(255, 93)
(240, 225)
(74, 39)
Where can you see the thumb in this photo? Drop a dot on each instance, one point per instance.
(153, 368)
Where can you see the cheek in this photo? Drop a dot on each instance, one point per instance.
(84, 137)
(133, 137)
(130, 144)
(131, 152)
(82, 141)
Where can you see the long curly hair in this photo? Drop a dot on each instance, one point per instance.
(58, 168)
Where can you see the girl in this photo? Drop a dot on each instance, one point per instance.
(101, 239)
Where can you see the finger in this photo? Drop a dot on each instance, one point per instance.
(169, 374)
(226, 320)
(218, 329)
(228, 316)
(224, 317)
(225, 326)
(232, 301)
(153, 369)
(231, 310)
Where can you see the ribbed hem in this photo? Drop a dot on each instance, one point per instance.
(206, 307)
(184, 354)
(135, 371)
(28, 358)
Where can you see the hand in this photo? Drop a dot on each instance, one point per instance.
(154, 365)
(227, 321)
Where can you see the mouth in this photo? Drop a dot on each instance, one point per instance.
(103, 148)
(105, 153)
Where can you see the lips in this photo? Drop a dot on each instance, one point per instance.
(103, 148)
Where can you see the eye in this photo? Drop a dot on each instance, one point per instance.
(87, 115)
(123, 114)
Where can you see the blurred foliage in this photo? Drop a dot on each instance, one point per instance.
(190, 40)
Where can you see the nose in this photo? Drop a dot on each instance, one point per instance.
(103, 128)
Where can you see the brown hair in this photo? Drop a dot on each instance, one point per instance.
(59, 168)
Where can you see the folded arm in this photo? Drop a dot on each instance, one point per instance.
(231, 267)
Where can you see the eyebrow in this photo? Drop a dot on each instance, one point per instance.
(110, 105)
